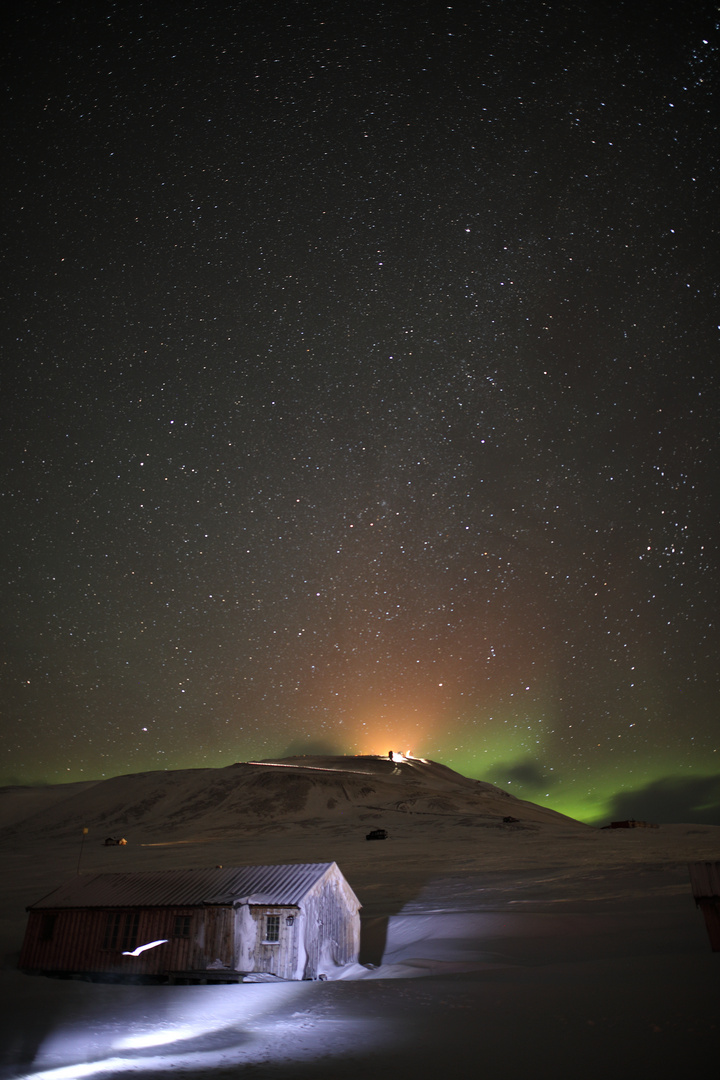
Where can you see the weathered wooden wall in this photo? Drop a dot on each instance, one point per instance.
(332, 926)
(276, 958)
(77, 942)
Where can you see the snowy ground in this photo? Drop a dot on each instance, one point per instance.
(535, 951)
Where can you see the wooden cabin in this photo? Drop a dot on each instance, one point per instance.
(299, 921)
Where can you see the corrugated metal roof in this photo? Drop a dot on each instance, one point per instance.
(188, 888)
(705, 879)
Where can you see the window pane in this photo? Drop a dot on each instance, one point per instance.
(129, 940)
(182, 926)
(111, 930)
(272, 928)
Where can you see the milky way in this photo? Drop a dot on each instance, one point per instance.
(361, 392)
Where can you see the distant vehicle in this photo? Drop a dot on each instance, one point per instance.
(377, 834)
(112, 842)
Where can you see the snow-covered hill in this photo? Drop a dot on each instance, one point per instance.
(309, 791)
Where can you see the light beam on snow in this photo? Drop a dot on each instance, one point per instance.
(199, 1029)
(201, 1026)
(156, 1038)
(77, 1072)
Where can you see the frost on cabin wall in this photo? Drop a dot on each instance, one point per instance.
(301, 953)
(245, 931)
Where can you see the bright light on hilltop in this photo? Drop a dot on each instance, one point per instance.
(396, 756)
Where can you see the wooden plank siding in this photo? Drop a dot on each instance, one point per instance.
(332, 925)
(280, 957)
(79, 941)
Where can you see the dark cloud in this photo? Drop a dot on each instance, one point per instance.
(524, 774)
(315, 747)
(8, 783)
(672, 799)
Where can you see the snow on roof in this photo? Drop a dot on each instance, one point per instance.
(188, 888)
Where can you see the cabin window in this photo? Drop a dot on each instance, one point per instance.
(272, 928)
(182, 925)
(121, 930)
(130, 930)
(47, 926)
(112, 928)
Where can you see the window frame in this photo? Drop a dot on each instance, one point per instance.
(121, 931)
(272, 928)
(182, 927)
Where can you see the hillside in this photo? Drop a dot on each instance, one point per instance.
(349, 793)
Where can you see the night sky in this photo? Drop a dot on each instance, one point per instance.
(360, 391)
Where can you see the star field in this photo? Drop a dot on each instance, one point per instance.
(361, 392)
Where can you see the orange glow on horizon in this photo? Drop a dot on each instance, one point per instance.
(402, 734)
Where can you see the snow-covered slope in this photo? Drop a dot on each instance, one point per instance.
(310, 792)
